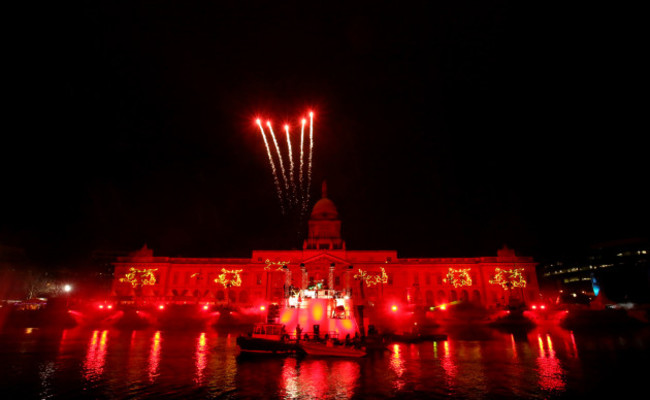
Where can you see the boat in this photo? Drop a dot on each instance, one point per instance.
(330, 349)
(267, 338)
(309, 316)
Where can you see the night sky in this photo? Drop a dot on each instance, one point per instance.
(443, 129)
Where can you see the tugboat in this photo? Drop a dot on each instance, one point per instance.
(269, 338)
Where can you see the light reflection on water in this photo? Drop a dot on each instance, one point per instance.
(80, 363)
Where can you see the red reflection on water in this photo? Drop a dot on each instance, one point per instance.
(513, 346)
(573, 346)
(551, 373)
(154, 357)
(317, 379)
(289, 377)
(313, 379)
(397, 365)
(343, 378)
(95, 356)
(200, 358)
(448, 365)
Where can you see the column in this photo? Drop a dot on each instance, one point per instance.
(303, 283)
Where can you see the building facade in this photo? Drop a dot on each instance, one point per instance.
(376, 276)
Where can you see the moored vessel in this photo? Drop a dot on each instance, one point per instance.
(269, 338)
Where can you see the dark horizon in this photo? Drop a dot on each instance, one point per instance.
(443, 130)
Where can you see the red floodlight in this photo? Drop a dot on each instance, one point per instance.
(109, 306)
(101, 306)
(205, 307)
(443, 307)
(161, 307)
(394, 308)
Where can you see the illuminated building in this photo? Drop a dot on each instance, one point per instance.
(325, 262)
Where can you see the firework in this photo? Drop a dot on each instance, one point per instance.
(291, 182)
(275, 172)
(311, 157)
(277, 149)
(289, 192)
(302, 145)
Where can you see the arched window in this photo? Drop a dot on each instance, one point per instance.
(232, 296)
(441, 297)
(453, 296)
(220, 295)
(476, 297)
(429, 297)
(464, 296)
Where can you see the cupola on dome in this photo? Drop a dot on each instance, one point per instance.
(324, 208)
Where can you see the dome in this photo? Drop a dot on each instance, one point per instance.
(324, 209)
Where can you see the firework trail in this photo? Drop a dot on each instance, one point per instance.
(292, 194)
(275, 173)
(291, 181)
(277, 148)
(311, 155)
(302, 145)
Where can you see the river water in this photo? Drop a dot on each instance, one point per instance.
(474, 363)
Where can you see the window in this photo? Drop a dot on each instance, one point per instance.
(258, 279)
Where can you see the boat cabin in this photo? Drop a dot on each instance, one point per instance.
(269, 331)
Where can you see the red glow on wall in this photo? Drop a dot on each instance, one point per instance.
(317, 312)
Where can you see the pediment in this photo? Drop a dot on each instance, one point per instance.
(325, 258)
